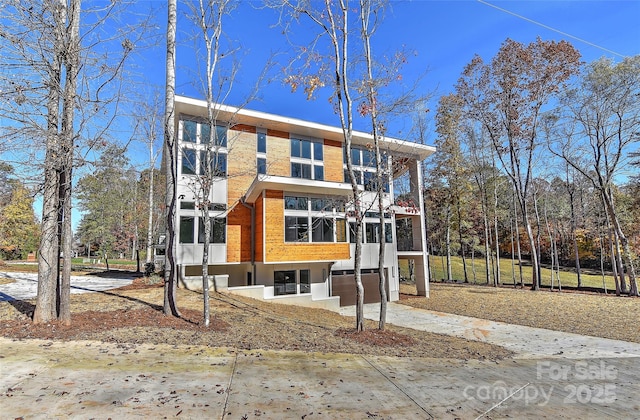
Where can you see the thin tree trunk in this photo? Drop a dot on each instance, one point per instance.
(496, 279)
(513, 251)
(170, 306)
(448, 243)
(518, 247)
(461, 240)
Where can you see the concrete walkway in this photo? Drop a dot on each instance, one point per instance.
(26, 284)
(88, 379)
(526, 342)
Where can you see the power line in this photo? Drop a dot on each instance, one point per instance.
(551, 29)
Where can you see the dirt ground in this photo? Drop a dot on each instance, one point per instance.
(133, 314)
(609, 316)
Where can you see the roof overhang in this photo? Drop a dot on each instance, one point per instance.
(294, 185)
(233, 115)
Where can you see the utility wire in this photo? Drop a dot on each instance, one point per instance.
(551, 29)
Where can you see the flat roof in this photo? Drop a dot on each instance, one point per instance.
(194, 107)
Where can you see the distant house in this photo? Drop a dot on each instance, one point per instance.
(281, 208)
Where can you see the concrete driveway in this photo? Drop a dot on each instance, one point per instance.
(553, 375)
(25, 285)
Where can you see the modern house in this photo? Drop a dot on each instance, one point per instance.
(280, 207)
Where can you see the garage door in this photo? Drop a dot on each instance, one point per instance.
(344, 285)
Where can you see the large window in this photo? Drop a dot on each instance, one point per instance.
(218, 230)
(195, 140)
(307, 159)
(296, 229)
(314, 219)
(188, 232)
(371, 232)
(364, 169)
(322, 229)
(217, 163)
(186, 229)
(219, 135)
(284, 283)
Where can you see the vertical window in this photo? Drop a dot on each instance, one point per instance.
(295, 148)
(388, 234)
(370, 181)
(186, 229)
(305, 281)
(372, 231)
(205, 133)
(322, 230)
(284, 282)
(305, 151)
(188, 162)
(317, 151)
(261, 164)
(189, 131)
(352, 232)
(220, 168)
(221, 136)
(262, 143)
(318, 172)
(355, 156)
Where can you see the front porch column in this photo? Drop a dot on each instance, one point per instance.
(419, 235)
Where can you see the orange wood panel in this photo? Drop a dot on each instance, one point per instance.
(244, 128)
(333, 169)
(259, 229)
(278, 156)
(241, 169)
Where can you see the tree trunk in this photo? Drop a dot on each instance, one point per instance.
(574, 229)
(496, 279)
(170, 306)
(460, 238)
(448, 243)
(149, 258)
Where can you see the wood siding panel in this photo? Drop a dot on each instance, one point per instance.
(241, 169)
(259, 229)
(277, 250)
(333, 169)
(278, 153)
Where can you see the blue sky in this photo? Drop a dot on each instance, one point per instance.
(442, 35)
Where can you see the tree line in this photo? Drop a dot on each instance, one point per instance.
(537, 160)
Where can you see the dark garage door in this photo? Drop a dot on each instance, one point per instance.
(344, 285)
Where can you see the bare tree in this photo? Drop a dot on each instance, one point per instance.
(506, 98)
(600, 126)
(171, 161)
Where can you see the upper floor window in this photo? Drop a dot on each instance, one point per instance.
(363, 162)
(196, 137)
(262, 143)
(307, 159)
(219, 135)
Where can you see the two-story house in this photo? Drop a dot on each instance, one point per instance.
(281, 207)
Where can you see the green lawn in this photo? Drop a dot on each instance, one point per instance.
(568, 276)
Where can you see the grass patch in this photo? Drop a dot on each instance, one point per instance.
(568, 276)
